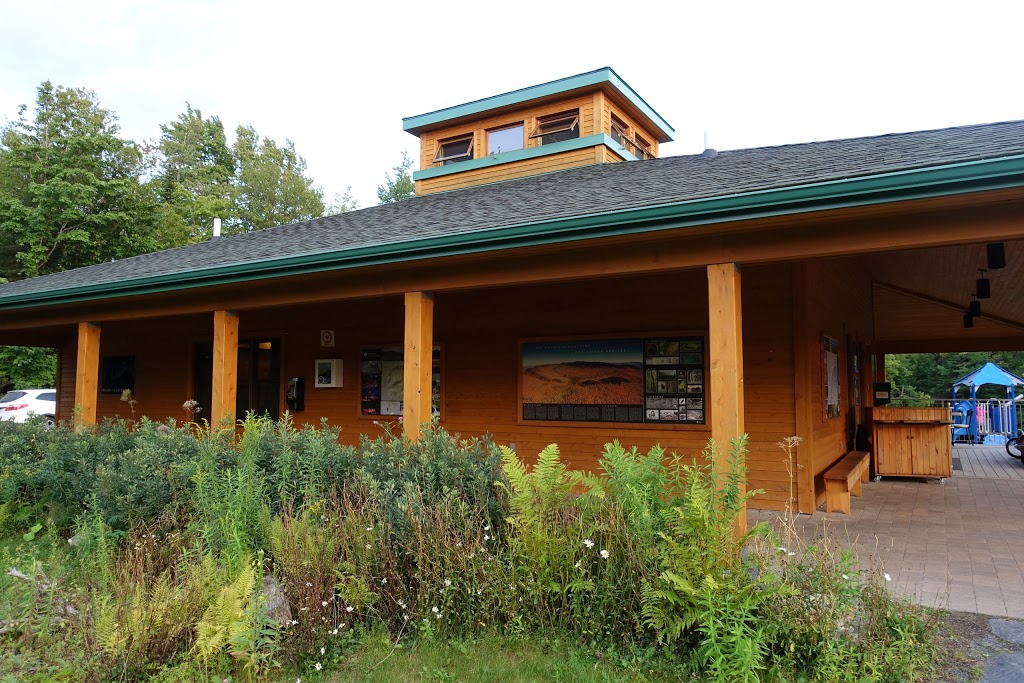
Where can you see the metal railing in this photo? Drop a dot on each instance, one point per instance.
(989, 420)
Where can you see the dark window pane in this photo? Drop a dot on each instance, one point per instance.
(560, 136)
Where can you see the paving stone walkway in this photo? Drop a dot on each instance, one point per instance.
(957, 544)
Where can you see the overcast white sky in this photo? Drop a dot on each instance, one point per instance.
(337, 77)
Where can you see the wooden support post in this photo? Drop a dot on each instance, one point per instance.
(419, 351)
(725, 341)
(87, 374)
(225, 367)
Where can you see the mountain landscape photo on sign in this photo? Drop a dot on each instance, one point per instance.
(584, 372)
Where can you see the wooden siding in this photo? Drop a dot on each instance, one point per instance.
(837, 303)
(518, 169)
(479, 332)
(67, 357)
(527, 116)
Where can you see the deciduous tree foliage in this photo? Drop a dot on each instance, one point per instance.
(401, 186)
(196, 168)
(271, 186)
(69, 188)
(27, 367)
(932, 374)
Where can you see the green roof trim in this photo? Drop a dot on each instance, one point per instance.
(522, 154)
(934, 181)
(416, 124)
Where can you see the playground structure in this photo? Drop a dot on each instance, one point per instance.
(986, 421)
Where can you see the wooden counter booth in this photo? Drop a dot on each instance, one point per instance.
(911, 442)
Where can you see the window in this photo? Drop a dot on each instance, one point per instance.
(454, 150)
(505, 139)
(558, 127)
(620, 132)
(643, 148)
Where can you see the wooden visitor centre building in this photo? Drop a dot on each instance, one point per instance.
(554, 280)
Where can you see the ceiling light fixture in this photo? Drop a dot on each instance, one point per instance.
(984, 288)
(996, 255)
(974, 308)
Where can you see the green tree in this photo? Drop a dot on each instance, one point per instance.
(28, 367)
(341, 203)
(196, 167)
(932, 374)
(401, 186)
(70, 194)
(271, 187)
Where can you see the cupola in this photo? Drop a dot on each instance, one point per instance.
(590, 118)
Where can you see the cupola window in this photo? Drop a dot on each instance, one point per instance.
(454, 150)
(558, 127)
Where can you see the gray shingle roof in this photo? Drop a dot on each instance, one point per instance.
(563, 194)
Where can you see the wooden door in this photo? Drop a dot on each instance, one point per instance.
(930, 450)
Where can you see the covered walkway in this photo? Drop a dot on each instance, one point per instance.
(958, 545)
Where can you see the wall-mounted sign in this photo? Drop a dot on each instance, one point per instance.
(117, 373)
(382, 381)
(830, 368)
(327, 338)
(327, 372)
(652, 380)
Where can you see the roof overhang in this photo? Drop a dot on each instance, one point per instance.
(923, 183)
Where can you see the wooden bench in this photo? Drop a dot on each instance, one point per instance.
(844, 478)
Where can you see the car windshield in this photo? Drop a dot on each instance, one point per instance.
(12, 396)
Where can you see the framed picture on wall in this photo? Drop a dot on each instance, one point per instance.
(117, 373)
(327, 372)
(830, 375)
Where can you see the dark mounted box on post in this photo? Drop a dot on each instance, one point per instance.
(882, 392)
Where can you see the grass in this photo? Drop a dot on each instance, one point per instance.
(489, 659)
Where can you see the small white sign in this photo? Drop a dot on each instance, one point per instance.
(327, 338)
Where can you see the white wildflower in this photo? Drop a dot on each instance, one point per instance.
(323, 650)
(487, 528)
(349, 608)
(604, 554)
(323, 603)
(369, 528)
(887, 577)
(384, 580)
(435, 610)
(309, 585)
(587, 542)
(486, 537)
(367, 546)
(447, 583)
(578, 563)
(317, 666)
(845, 577)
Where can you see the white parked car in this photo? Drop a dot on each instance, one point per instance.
(20, 404)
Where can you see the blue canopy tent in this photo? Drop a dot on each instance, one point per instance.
(965, 412)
